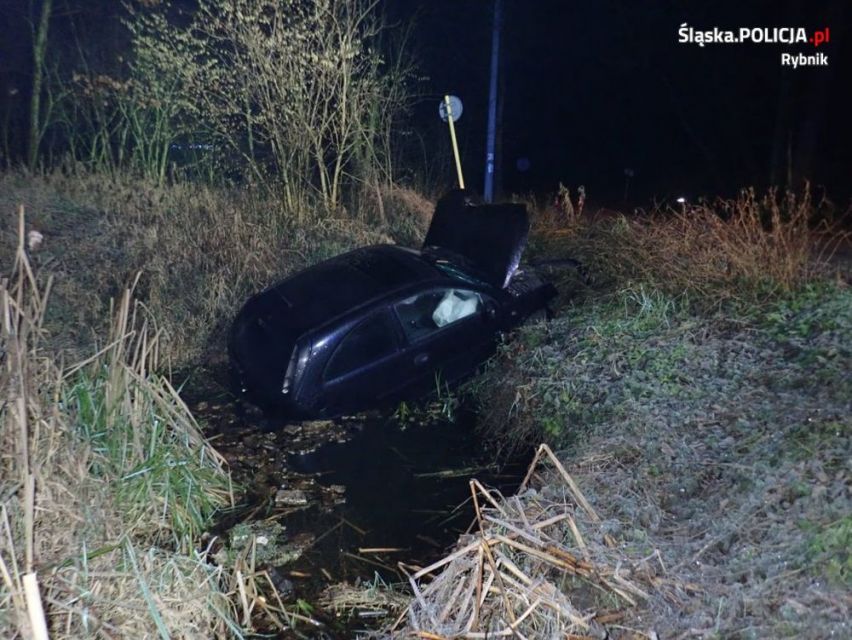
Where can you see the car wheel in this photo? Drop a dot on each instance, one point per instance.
(538, 316)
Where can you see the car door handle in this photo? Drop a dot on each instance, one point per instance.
(421, 358)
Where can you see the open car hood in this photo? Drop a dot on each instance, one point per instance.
(491, 237)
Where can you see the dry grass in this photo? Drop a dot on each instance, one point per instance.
(101, 493)
(540, 566)
(258, 603)
(722, 446)
(107, 482)
(363, 600)
(746, 250)
(720, 454)
(407, 212)
(201, 251)
(702, 390)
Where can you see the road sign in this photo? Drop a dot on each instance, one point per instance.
(450, 110)
(455, 108)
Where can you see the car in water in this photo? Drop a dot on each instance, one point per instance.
(384, 323)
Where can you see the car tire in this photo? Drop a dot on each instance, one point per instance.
(538, 316)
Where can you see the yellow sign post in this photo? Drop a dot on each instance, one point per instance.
(450, 119)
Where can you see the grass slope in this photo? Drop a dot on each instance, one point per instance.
(704, 406)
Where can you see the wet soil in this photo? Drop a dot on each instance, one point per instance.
(351, 498)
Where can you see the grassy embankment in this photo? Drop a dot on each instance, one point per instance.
(701, 397)
(200, 251)
(107, 484)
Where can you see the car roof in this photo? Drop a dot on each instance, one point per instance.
(336, 286)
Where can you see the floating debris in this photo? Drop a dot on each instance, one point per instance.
(290, 497)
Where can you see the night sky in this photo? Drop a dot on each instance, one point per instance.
(593, 88)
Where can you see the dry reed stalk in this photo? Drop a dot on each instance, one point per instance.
(453, 599)
(244, 601)
(446, 560)
(61, 515)
(476, 487)
(22, 317)
(12, 578)
(504, 583)
(256, 592)
(504, 561)
(516, 530)
(550, 521)
(569, 481)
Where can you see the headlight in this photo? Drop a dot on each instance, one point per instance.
(295, 368)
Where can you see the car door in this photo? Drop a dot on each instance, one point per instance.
(448, 332)
(364, 367)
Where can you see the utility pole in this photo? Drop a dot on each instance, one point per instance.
(490, 141)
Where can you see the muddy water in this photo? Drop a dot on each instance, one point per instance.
(347, 499)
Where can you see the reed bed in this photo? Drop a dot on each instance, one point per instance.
(744, 251)
(540, 566)
(364, 600)
(105, 482)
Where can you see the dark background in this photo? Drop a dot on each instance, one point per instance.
(593, 88)
(589, 89)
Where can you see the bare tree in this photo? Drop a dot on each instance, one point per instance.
(293, 87)
(37, 119)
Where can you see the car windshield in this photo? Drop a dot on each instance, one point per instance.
(456, 272)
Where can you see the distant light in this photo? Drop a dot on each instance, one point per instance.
(681, 200)
(523, 164)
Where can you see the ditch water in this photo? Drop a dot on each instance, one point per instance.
(345, 500)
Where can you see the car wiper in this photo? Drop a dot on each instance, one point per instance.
(455, 268)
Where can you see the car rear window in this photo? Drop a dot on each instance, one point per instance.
(328, 289)
(324, 291)
(371, 340)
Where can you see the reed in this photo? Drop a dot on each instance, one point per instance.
(106, 483)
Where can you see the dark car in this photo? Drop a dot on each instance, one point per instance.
(382, 323)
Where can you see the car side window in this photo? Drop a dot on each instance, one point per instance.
(371, 340)
(425, 313)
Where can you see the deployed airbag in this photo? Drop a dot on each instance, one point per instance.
(455, 305)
